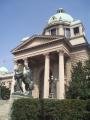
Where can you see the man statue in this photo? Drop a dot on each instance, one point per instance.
(52, 88)
(23, 74)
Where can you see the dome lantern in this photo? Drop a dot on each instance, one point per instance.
(60, 10)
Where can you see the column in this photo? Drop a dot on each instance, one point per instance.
(60, 84)
(46, 77)
(25, 66)
(25, 72)
(72, 32)
(61, 30)
(13, 79)
(26, 62)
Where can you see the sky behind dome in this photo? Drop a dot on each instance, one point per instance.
(23, 18)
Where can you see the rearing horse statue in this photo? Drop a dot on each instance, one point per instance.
(23, 74)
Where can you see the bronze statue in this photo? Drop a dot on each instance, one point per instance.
(52, 88)
(23, 74)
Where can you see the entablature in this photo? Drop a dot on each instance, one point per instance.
(54, 45)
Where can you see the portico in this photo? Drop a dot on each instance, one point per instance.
(52, 64)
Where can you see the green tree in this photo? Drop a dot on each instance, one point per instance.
(79, 87)
(86, 88)
(5, 93)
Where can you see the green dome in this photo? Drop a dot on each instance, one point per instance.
(61, 15)
(3, 70)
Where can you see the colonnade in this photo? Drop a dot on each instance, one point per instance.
(60, 82)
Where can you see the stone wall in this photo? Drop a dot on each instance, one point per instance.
(81, 55)
(75, 57)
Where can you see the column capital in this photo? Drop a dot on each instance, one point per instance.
(14, 61)
(46, 54)
(26, 58)
(25, 61)
(60, 51)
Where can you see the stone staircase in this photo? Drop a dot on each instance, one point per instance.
(5, 109)
(5, 106)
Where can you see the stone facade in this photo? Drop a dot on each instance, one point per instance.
(50, 55)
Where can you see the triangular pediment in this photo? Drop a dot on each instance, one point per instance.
(33, 41)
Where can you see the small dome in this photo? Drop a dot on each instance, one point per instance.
(3, 70)
(61, 15)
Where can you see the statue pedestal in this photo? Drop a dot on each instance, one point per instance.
(19, 96)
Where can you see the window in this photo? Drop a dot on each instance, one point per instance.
(76, 30)
(67, 33)
(53, 31)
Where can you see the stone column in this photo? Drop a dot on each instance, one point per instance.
(61, 30)
(26, 66)
(60, 83)
(26, 62)
(46, 77)
(72, 32)
(13, 80)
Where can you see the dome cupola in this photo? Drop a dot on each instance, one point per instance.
(60, 16)
(3, 70)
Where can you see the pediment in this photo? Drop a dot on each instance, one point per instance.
(32, 42)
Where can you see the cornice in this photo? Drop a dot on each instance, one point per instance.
(80, 47)
(76, 37)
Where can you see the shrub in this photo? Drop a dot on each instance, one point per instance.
(49, 109)
(5, 93)
(25, 109)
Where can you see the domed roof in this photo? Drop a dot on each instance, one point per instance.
(3, 70)
(61, 15)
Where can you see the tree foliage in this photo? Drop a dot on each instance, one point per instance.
(5, 93)
(79, 86)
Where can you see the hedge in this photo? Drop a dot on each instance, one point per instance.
(50, 109)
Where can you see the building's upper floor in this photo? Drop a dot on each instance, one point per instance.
(63, 24)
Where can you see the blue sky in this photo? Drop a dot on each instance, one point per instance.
(22, 18)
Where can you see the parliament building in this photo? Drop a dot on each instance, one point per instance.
(51, 54)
